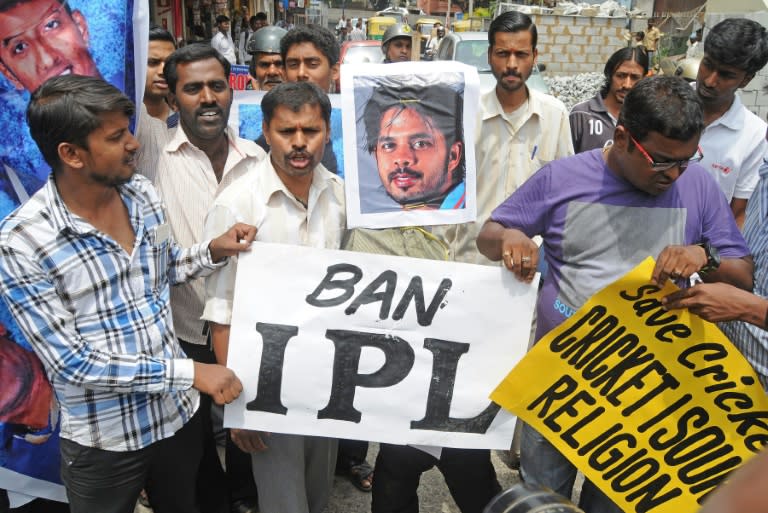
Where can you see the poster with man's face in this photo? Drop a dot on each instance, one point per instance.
(409, 143)
(41, 39)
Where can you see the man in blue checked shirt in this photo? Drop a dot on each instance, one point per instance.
(86, 267)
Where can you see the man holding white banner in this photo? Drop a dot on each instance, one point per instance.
(291, 198)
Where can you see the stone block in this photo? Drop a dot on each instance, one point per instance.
(583, 20)
(571, 68)
(576, 30)
(563, 40)
(545, 20)
(595, 58)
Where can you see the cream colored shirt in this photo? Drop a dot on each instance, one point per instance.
(187, 184)
(651, 39)
(509, 149)
(262, 200)
(153, 134)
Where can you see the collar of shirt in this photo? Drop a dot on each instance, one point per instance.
(492, 107)
(272, 184)
(733, 117)
(239, 149)
(62, 219)
(597, 104)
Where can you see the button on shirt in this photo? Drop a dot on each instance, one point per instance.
(510, 148)
(100, 318)
(752, 340)
(734, 146)
(262, 200)
(187, 183)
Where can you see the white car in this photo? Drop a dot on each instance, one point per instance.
(472, 48)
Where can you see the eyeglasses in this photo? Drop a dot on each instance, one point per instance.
(660, 167)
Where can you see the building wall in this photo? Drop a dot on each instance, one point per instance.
(577, 44)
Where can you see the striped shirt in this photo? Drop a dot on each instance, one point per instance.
(751, 340)
(187, 183)
(100, 318)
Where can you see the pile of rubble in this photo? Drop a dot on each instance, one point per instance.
(573, 89)
(607, 9)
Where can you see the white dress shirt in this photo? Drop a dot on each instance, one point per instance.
(262, 199)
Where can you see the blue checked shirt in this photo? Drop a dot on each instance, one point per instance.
(751, 340)
(100, 319)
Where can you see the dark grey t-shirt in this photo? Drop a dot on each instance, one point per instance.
(591, 125)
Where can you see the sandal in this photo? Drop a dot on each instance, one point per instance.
(361, 476)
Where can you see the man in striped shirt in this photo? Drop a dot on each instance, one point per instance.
(748, 311)
(86, 267)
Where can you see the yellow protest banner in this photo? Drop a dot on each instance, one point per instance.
(655, 407)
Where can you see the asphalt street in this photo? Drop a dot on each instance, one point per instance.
(433, 493)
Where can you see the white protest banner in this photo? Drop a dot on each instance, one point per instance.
(371, 347)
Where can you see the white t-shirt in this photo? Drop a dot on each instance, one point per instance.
(226, 47)
(734, 146)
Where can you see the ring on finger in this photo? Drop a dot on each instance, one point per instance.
(525, 259)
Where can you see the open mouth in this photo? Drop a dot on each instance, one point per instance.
(404, 179)
(209, 115)
(299, 160)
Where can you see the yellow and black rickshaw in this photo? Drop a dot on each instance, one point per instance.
(378, 25)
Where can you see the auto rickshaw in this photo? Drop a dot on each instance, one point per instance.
(377, 25)
(468, 25)
(424, 26)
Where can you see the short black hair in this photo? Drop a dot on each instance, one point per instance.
(67, 109)
(259, 16)
(441, 105)
(636, 54)
(738, 42)
(295, 95)
(221, 18)
(513, 21)
(160, 34)
(191, 53)
(663, 104)
(319, 36)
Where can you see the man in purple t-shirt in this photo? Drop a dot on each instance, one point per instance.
(600, 213)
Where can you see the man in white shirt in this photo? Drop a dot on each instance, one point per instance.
(733, 140)
(222, 41)
(434, 41)
(357, 34)
(202, 159)
(291, 199)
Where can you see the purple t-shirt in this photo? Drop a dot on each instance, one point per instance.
(597, 226)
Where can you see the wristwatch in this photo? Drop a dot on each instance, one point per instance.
(713, 258)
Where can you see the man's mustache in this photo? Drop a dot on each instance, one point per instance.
(404, 171)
